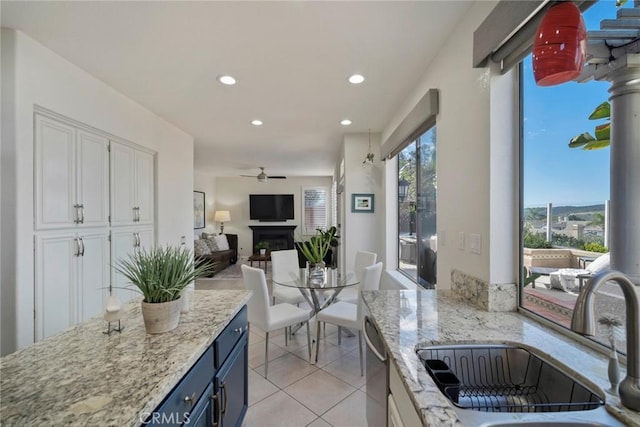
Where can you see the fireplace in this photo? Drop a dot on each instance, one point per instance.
(279, 236)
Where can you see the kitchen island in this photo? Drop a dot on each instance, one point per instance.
(414, 319)
(85, 377)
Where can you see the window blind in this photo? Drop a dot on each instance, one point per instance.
(314, 209)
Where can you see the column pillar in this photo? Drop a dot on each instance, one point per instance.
(625, 172)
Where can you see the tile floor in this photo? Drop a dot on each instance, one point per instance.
(296, 393)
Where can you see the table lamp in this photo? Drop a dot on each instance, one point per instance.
(222, 216)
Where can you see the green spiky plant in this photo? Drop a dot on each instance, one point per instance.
(161, 273)
(316, 248)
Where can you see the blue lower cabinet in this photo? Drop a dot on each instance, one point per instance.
(231, 387)
(202, 414)
(215, 390)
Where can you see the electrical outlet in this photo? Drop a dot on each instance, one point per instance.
(461, 240)
(475, 243)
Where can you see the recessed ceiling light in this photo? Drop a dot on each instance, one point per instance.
(256, 122)
(226, 80)
(356, 79)
(345, 122)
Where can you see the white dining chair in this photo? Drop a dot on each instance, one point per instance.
(284, 267)
(363, 259)
(348, 315)
(270, 317)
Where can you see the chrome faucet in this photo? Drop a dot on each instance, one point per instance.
(583, 322)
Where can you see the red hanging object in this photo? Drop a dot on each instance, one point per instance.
(560, 46)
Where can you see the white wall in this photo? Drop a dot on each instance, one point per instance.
(363, 231)
(45, 79)
(206, 183)
(232, 194)
(463, 144)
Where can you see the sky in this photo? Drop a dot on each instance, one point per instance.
(553, 172)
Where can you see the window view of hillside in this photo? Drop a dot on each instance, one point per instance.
(565, 196)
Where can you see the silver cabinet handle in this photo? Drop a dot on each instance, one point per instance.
(82, 243)
(81, 220)
(191, 400)
(373, 349)
(76, 220)
(138, 213)
(139, 242)
(217, 422)
(224, 394)
(77, 242)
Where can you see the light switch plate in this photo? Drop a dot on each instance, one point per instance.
(475, 243)
(461, 240)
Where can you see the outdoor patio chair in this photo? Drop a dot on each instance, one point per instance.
(564, 279)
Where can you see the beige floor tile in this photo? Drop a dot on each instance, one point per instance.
(319, 422)
(256, 353)
(348, 343)
(327, 353)
(298, 340)
(347, 368)
(319, 391)
(351, 412)
(259, 388)
(287, 369)
(254, 338)
(278, 410)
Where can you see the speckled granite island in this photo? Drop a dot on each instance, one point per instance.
(414, 319)
(84, 377)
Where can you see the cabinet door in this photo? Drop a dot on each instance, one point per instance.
(232, 387)
(145, 238)
(202, 415)
(55, 174)
(93, 274)
(55, 286)
(122, 185)
(123, 243)
(144, 199)
(92, 179)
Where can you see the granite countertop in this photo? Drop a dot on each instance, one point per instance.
(411, 319)
(84, 377)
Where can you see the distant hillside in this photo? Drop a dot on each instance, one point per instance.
(570, 210)
(567, 210)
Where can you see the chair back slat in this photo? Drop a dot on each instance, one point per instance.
(258, 305)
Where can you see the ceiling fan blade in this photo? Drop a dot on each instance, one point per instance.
(277, 177)
(249, 176)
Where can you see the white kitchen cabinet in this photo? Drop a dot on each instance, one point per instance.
(72, 176)
(132, 190)
(402, 413)
(71, 278)
(125, 241)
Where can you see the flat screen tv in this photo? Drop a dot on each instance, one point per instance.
(271, 207)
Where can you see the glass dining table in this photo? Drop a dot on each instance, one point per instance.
(320, 295)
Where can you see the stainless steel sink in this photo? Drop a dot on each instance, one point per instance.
(503, 385)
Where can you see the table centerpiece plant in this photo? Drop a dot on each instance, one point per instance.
(315, 250)
(160, 274)
(262, 247)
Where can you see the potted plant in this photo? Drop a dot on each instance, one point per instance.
(262, 247)
(160, 275)
(315, 250)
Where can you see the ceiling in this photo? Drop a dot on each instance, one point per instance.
(291, 61)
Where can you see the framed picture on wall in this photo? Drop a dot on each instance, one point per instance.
(362, 203)
(198, 209)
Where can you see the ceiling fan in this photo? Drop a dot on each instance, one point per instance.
(263, 177)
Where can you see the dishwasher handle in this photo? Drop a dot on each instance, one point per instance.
(372, 347)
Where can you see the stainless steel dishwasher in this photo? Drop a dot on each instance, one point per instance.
(377, 376)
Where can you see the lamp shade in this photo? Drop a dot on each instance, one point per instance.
(222, 216)
(560, 46)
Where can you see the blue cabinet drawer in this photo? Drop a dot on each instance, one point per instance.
(230, 336)
(177, 406)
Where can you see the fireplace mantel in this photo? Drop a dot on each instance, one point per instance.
(279, 236)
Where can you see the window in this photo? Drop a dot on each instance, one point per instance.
(417, 190)
(565, 194)
(314, 209)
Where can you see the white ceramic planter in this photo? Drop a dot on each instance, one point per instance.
(161, 317)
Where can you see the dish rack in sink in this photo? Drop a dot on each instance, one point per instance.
(502, 378)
